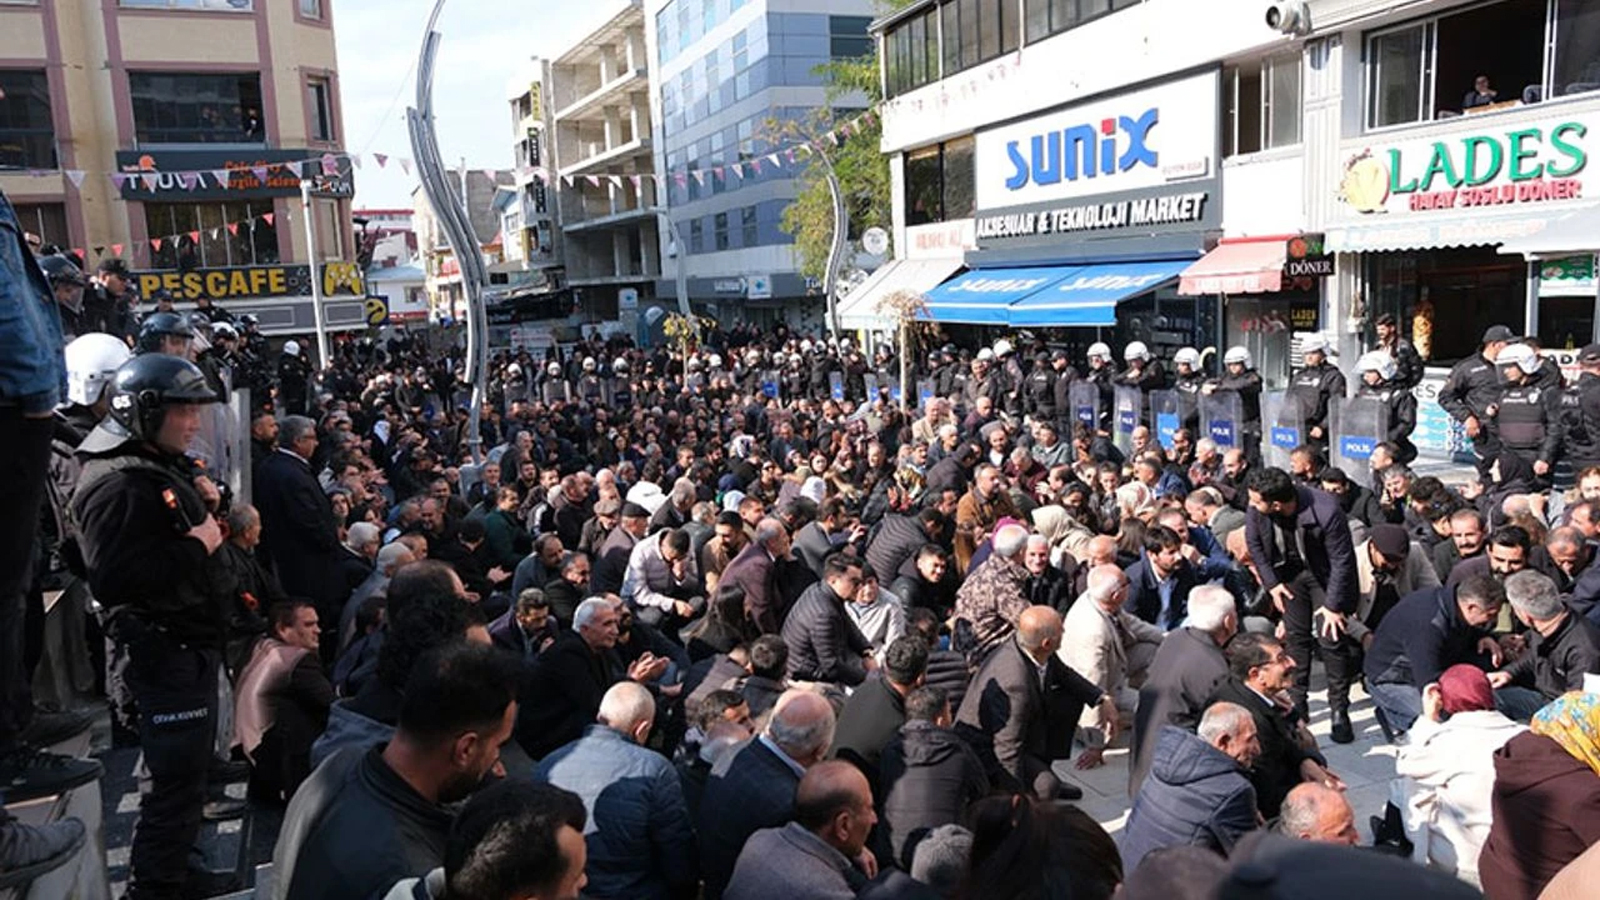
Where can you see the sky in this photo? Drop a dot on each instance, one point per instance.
(484, 44)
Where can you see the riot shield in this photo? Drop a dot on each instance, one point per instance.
(770, 381)
(1129, 403)
(925, 392)
(895, 392)
(1084, 398)
(870, 382)
(836, 385)
(1166, 416)
(1362, 424)
(1222, 419)
(1284, 427)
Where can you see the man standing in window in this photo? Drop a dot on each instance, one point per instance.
(1480, 95)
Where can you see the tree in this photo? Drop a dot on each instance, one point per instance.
(861, 167)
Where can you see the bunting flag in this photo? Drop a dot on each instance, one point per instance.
(155, 244)
(233, 228)
(593, 181)
(773, 158)
(216, 233)
(756, 165)
(267, 218)
(717, 171)
(100, 251)
(681, 178)
(118, 179)
(149, 179)
(221, 176)
(261, 173)
(380, 159)
(116, 249)
(78, 252)
(405, 164)
(355, 160)
(790, 154)
(699, 177)
(194, 237)
(76, 177)
(635, 181)
(297, 168)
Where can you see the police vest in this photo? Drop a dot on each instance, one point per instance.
(1520, 421)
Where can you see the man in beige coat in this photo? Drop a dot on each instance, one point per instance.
(1110, 647)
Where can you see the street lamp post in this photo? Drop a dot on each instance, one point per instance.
(680, 272)
(316, 273)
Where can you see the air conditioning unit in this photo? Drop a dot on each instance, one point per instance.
(1292, 17)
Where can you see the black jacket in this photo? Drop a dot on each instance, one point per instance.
(750, 788)
(824, 644)
(353, 829)
(948, 671)
(927, 777)
(1277, 770)
(1144, 593)
(1556, 664)
(1186, 670)
(1421, 637)
(1012, 717)
(898, 539)
(1473, 386)
(870, 718)
(561, 693)
(1324, 543)
(298, 535)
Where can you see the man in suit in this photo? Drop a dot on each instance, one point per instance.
(611, 563)
(817, 541)
(1024, 706)
(527, 628)
(1300, 542)
(298, 534)
(821, 854)
(564, 688)
(753, 787)
(1261, 674)
(1185, 673)
(1110, 647)
(1160, 582)
(753, 571)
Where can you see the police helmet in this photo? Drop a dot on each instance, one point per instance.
(1315, 342)
(554, 369)
(1002, 347)
(249, 320)
(1521, 356)
(752, 357)
(621, 365)
(1187, 356)
(1136, 351)
(1376, 361)
(92, 363)
(162, 325)
(1237, 355)
(142, 390)
(985, 355)
(714, 361)
(291, 348)
(1099, 350)
(61, 270)
(224, 331)
(589, 364)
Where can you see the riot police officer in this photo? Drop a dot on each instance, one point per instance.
(1580, 413)
(165, 332)
(1316, 390)
(1522, 419)
(148, 538)
(1144, 371)
(68, 283)
(1065, 376)
(1040, 389)
(591, 389)
(1240, 376)
(1472, 389)
(1103, 375)
(1377, 372)
(1188, 384)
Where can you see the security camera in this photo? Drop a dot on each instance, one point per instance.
(1291, 17)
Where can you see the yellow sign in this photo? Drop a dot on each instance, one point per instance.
(226, 284)
(337, 275)
(377, 311)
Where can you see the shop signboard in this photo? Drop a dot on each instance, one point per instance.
(1568, 276)
(1139, 162)
(1166, 410)
(1306, 257)
(1476, 165)
(940, 240)
(180, 176)
(252, 282)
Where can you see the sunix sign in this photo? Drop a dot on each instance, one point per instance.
(1154, 137)
(1119, 144)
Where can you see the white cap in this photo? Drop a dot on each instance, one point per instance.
(291, 347)
(92, 363)
(621, 365)
(588, 363)
(1237, 355)
(553, 368)
(1100, 350)
(1135, 350)
(513, 369)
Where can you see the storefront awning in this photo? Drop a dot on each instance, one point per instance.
(1240, 267)
(860, 309)
(1575, 233)
(1453, 231)
(1087, 296)
(984, 296)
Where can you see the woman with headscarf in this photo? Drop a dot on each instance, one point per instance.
(1546, 799)
(1067, 536)
(1446, 771)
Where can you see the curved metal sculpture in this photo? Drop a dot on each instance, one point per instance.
(457, 225)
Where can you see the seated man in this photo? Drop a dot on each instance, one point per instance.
(367, 818)
(825, 646)
(1186, 671)
(822, 854)
(1316, 812)
(527, 628)
(1110, 647)
(642, 843)
(875, 711)
(1160, 582)
(281, 702)
(877, 614)
(1022, 704)
(767, 675)
(662, 580)
(1562, 647)
(1196, 793)
(927, 775)
(995, 593)
(1428, 632)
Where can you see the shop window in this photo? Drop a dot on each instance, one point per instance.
(1576, 67)
(319, 100)
(747, 227)
(45, 221)
(27, 139)
(1262, 105)
(939, 182)
(250, 241)
(180, 108)
(1047, 17)
(719, 230)
(1432, 69)
(1460, 291)
(332, 243)
(911, 53)
(848, 37)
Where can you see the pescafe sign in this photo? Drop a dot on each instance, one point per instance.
(1139, 162)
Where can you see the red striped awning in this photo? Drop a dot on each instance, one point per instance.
(1244, 267)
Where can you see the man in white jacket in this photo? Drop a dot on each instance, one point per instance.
(1109, 646)
(1446, 771)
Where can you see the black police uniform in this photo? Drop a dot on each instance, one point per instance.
(1040, 391)
(1104, 379)
(1523, 424)
(1314, 390)
(1188, 389)
(166, 594)
(1408, 366)
(1580, 420)
(1473, 387)
(1401, 405)
(1247, 385)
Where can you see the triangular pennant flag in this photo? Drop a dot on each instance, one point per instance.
(118, 179)
(380, 159)
(221, 176)
(296, 167)
(566, 180)
(593, 181)
(116, 249)
(634, 180)
(76, 177)
(155, 244)
(261, 173)
(406, 165)
(330, 164)
(717, 171)
(233, 228)
(268, 217)
(699, 177)
(355, 160)
(773, 158)
(844, 130)
(682, 179)
(149, 179)
(100, 251)
(616, 181)
(194, 237)
(790, 153)
(756, 165)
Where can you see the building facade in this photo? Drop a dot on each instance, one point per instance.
(722, 71)
(170, 134)
(485, 194)
(1369, 158)
(530, 223)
